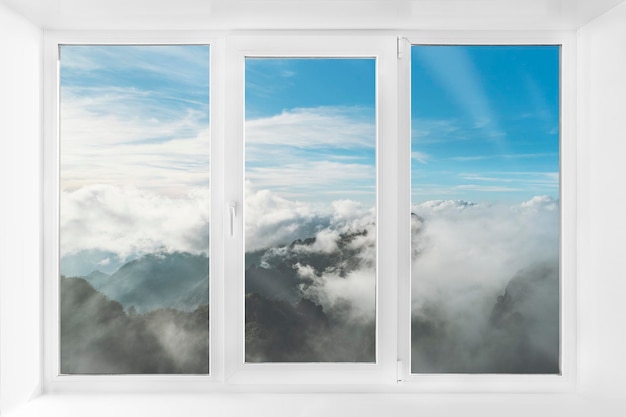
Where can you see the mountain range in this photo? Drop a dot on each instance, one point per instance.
(163, 280)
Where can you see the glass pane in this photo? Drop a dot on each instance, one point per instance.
(485, 209)
(310, 220)
(134, 209)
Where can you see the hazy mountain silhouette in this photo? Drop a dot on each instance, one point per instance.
(283, 324)
(99, 337)
(520, 335)
(97, 279)
(165, 280)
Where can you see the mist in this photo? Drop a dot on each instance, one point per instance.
(98, 337)
(313, 299)
(102, 226)
(485, 287)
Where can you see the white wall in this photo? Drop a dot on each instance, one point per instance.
(20, 206)
(602, 204)
(601, 276)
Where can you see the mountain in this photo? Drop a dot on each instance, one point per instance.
(278, 331)
(81, 263)
(98, 337)
(275, 276)
(165, 280)
(97, 279)
(283, 320)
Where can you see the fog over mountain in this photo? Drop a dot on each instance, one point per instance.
(485, 281)
(485, 287)
(98, 337)
(150, 316)
(160, 280)
(314, 300)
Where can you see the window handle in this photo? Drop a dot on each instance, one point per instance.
(232, 210)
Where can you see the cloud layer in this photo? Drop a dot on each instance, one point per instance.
(314, 154)
(465, 257)
(129, 221)
(331, 268)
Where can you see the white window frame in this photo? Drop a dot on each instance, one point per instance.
(566, 380)
(52, 380)
(391, 372)
(382, 48)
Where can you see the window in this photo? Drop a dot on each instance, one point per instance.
(485, 216)
(134, 209)
(485, 180)
(310, 210)
(305, 286)
(310, 124)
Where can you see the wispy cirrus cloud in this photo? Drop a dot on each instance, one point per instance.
(135, 116)
(526, 179)
(181, 68)
(420, 157)
(336, 127)
(487, 188)
(136, 148)
(314, 154)
(455, 70)
(317, 180)
(503, 156)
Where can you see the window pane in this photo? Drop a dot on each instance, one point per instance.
(310, 239)
(134, 209)
(485, 209)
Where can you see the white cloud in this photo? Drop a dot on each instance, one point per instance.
(351, 297)
(272, 220)
(424, 131)
(128, 221)
(420, 157)
(325, 243)
(487, 188)
(104, 262)
(467, 253)
(337, 127)
(464, 259)
(462, 80)
(503, 156)
(320, 181)
(168, 156)
(184, 65)
(314, 154)
(318, 174)
(541, 202)
(439, 205)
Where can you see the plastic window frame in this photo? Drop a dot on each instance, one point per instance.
(382, 48)
(566, 380)
(391, 372)
(52, 380)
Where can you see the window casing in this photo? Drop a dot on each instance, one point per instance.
(505, 382)
(228, 53)
(310, 47)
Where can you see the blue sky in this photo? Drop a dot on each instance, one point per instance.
(134, 152)
(485, 122)
(311, 128)
(135, 116)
